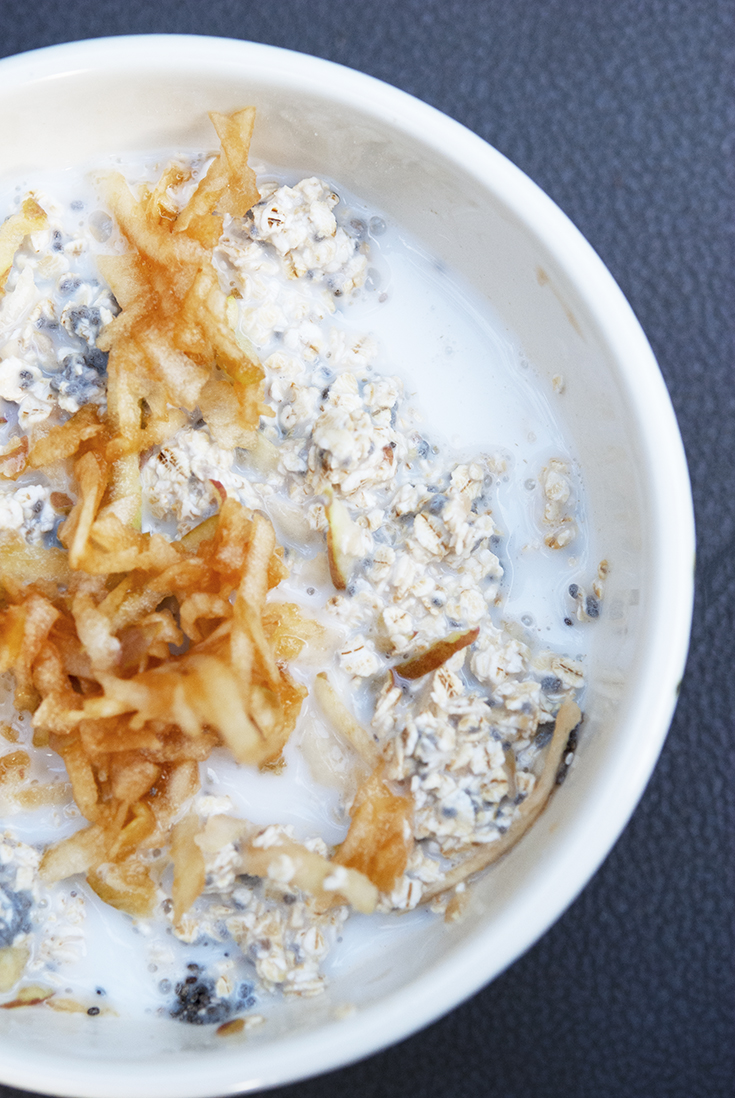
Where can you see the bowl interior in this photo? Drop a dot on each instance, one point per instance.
(73, 105)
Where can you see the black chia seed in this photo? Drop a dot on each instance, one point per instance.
(84, 321)
(569, 749)
(550, 684)
(68, 284)
(574, 590)
(592, 607)
(80, 375)
(15, 917)
(356, 228)
(542, 738)
(96, 359)
(197, 1004)
(93, 1011)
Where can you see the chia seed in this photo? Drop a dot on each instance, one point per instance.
(550, 684)
(14, 914)
(543, 737)
(83, 321)
(197, 1004)
(68, 284)
(356, 228)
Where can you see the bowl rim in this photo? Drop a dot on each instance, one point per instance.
(468, 968)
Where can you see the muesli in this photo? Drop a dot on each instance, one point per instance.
(222, 528)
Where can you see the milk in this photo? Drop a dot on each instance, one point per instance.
(477, 393)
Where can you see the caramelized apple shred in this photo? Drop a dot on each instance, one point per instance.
(89, 633)
(380, 838)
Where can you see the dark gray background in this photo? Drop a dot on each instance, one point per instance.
(624, 113)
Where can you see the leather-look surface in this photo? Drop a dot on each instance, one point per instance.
(624, 112)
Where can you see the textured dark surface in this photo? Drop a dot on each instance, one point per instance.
(624, 112)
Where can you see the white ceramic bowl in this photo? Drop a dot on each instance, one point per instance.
(73, 104)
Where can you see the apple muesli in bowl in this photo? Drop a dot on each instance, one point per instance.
(223, 531)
